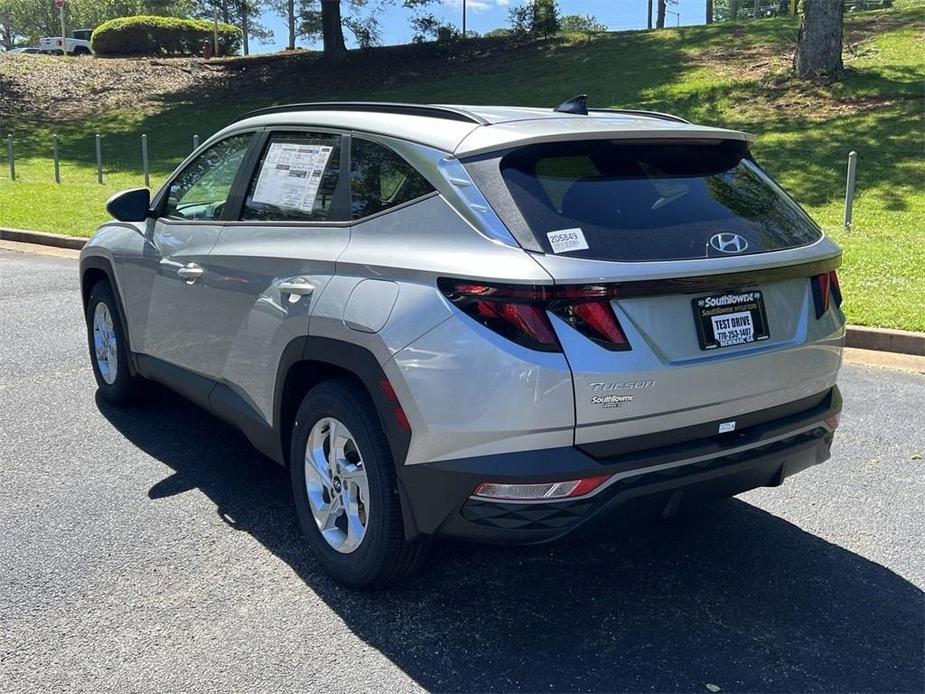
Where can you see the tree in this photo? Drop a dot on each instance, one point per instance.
(709, 12)
(327, 18)
(819, 46)
(733, 10)
(535, 17)
(660, 17)
(649, 16)
(578, 24)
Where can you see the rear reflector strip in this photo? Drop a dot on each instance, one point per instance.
(540, 492)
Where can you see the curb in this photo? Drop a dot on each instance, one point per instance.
(856, 336)
(885, 340)
(40, 237)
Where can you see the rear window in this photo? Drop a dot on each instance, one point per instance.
(643, 201)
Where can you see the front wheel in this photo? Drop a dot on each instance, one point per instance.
(109, 348)
(345, 489)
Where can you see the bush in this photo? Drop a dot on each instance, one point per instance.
(148, 35)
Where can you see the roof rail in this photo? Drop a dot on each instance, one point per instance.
(646, 114)
(426, 110)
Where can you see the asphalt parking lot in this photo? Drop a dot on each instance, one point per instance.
(154, 550)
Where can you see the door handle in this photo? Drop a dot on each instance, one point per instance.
(190, 272)
(296, 288)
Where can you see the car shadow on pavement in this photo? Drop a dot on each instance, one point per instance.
(736, 598)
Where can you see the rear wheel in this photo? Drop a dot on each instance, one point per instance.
(108, 348)
(345, 488)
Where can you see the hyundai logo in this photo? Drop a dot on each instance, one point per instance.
(727, 242)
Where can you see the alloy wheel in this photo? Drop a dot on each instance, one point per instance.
(337, 486)
(105, 344)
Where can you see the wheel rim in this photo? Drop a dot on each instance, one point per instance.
(337, 486)
(105, 344)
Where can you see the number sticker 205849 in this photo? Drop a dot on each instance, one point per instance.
(730, 319)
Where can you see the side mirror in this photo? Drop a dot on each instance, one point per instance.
(130, 205)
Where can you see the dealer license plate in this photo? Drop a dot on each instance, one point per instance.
(726, 320)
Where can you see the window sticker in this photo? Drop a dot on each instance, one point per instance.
(291, 175)
(565, 240)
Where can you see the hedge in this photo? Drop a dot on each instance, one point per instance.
(149, 35)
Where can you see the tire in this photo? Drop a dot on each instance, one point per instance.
(382, 556)
(114, 380)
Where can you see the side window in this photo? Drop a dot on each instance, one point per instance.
(201, 189)
(296, 179)
(380, 179)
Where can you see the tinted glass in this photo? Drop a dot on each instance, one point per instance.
(200, 191)
(652, 201)
(295, 180)
(380, 179)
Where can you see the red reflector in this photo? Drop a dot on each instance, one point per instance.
(589, 484)
(400, 417)
(833, 421)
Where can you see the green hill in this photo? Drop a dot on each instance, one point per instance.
(734, 75)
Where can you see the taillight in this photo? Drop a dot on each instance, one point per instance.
(518, 312)
(825, 288)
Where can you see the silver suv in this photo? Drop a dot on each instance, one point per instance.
(477, 322)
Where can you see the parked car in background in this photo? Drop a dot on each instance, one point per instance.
(25, 49)
(489, 323)
(78, 43)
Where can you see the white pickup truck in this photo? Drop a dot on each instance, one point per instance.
(78, 43)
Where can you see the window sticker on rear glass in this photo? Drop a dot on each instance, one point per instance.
(291, 175)
(565, 240)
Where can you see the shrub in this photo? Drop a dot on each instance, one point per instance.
(149, 35)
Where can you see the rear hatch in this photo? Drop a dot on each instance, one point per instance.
(694, 296)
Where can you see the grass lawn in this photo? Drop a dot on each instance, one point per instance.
(733, 75)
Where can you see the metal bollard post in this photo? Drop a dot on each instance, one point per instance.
(849, 188)
(9, 149)
(99, 160)
(144, 160)
(54, 149)
(195, 142)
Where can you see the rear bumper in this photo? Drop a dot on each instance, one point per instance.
(645, 484)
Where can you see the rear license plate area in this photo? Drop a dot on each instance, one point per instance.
(727, 320)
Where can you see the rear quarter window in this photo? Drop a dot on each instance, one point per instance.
(651, 201)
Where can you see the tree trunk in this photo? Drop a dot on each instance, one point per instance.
(709, 12)
(649, 21)
(782, 8)
(733, 10)
(756, 12)
(819, 46)
(332, 30)
(660, 18)
(245, 29)
(290, 17)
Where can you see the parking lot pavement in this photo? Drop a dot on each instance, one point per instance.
(153, 550)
